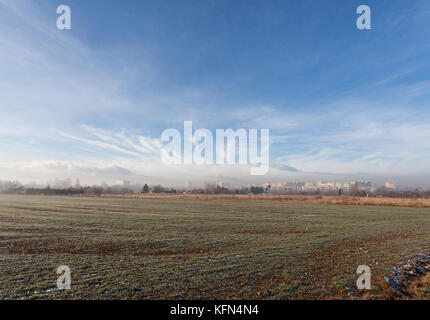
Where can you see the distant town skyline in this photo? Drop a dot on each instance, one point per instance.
(274, 185)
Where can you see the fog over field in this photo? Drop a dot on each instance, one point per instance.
(44, 172)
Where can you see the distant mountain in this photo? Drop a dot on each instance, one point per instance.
(284, 167)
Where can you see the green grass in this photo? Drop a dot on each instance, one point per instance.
(121, 248)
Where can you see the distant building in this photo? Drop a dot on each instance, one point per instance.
(326, 186)
(390, 186)
(277, 186)
(290, 187)
(300, 186)
(266, 185)
(366, 186)
(188, 185)
(309, 186)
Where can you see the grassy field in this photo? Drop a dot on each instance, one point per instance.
(125, 248)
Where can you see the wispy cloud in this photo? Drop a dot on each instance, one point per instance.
(120, 142)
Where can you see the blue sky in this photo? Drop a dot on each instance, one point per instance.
(340, 103)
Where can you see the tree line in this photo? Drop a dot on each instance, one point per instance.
(14, 187)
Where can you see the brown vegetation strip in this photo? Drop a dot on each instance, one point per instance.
(340, 200)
